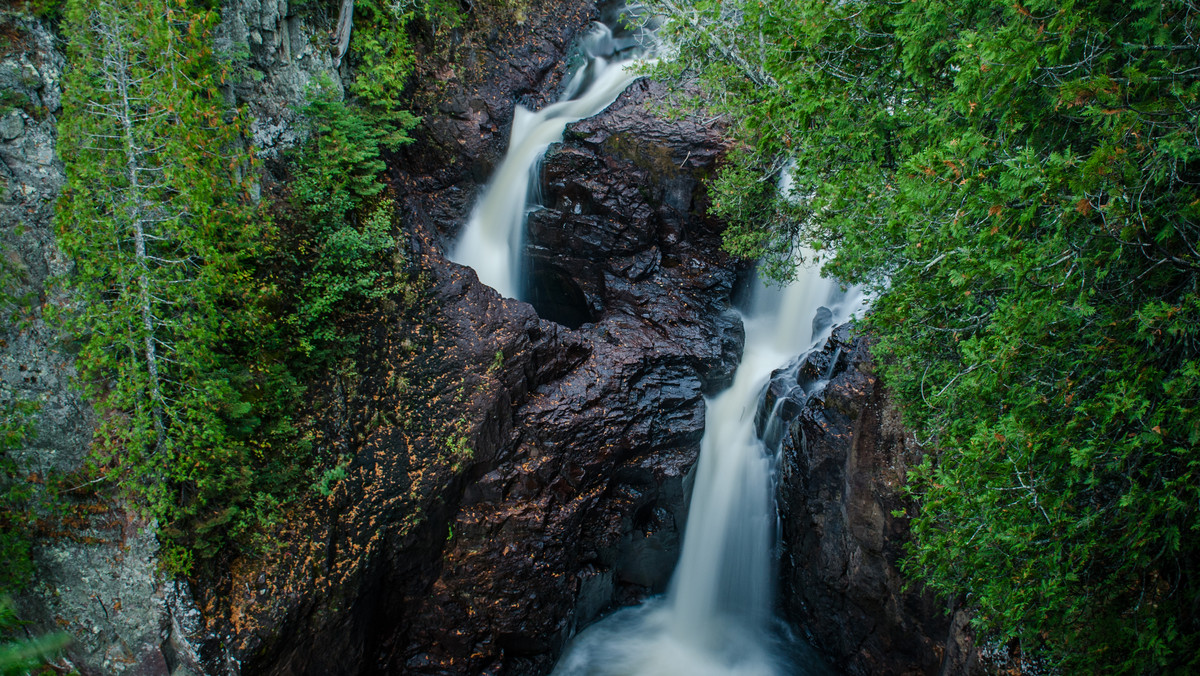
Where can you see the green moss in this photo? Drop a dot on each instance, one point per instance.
(655, 159)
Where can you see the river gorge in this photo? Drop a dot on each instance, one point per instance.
(673, 467)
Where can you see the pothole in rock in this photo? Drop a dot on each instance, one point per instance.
(556, 296)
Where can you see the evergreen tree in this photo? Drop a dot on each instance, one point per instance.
(157, 216)
(1021, 184)
(340, 242)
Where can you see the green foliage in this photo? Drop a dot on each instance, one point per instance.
(198, 318)
(157, 215)
(382, 47)
(383, 51)
(20, 655)
(340, 167)
(16, 496)
(10, 100)
(458, 450)
(324, 485)
(1020, 184)
(44, 9)
(340, 241)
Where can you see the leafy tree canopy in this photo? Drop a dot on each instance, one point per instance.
(1020, 182)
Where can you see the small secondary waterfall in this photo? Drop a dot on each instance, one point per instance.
(492, 240)
(715, 619)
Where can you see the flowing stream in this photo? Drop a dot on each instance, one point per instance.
(492, 241)
(716, 618)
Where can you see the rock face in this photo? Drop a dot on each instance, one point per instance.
(843, 466)
(278, 53)
(96, 573)
(32, 177)
(542, 477)
(583, 503)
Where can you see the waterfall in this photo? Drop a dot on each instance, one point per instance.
(715, 618)
(493, 238)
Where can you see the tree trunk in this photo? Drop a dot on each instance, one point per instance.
(120, 76)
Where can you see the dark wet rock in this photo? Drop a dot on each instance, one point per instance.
(627, 181)
(584, 502)
(584, 506)
(583, 416)
(562, 289)
(468, 97)
(844, 463)
(631, 128)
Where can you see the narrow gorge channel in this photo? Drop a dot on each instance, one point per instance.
(718, 617)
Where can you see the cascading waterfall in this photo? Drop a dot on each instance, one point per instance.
(715, 618)
(725, 566)
(492, 240)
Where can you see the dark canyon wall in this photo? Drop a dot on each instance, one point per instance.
(844, 463)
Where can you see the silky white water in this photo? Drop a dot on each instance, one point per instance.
(492, 240)
(715, 619)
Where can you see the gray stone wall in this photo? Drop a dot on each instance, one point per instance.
(98, 578)
(280, 54)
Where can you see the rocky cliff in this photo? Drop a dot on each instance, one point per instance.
(97, 572)
(515, 469)
(844, 529)
(96, 568)
(279, 50)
